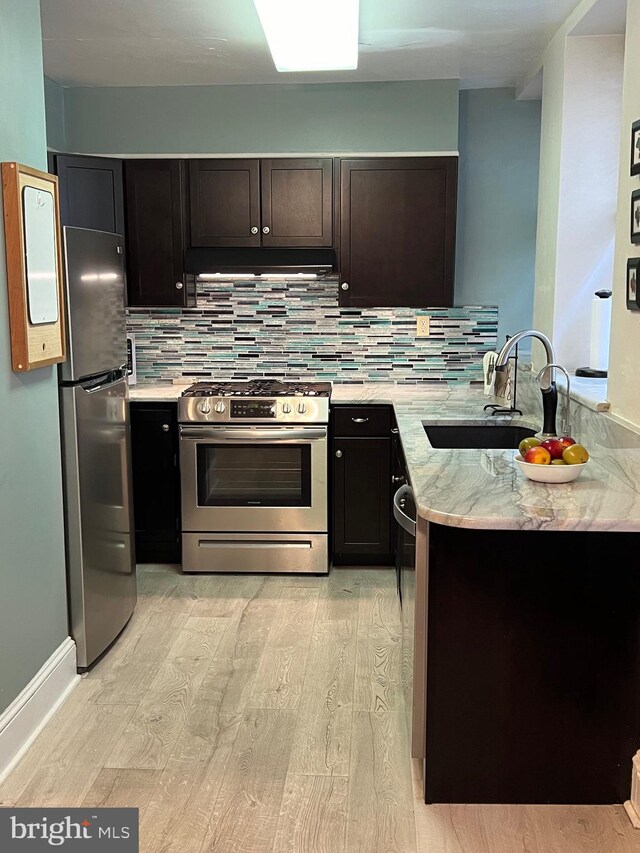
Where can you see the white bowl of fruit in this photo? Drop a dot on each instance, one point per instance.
(553, 460)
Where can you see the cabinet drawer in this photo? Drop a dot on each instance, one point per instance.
(362, 420)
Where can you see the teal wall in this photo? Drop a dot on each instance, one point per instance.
(54, 100)
(33, 609)
(497, 136)
(398, 116)
(497, 204)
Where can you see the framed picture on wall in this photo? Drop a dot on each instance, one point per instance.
(635, 216)
(35, 287)
(633, 284)
(635, 148)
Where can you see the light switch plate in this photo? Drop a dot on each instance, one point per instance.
(423, 326)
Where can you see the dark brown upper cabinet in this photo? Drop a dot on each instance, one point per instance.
(280, 203)
(398, 231)
(225, 202)
(297, 202)
(155, 210)
(91, 194)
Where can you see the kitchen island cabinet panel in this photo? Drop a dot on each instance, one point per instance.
(533, 666)
(156, 481)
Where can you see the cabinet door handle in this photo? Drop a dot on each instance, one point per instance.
(360, 420)
(266, 229)
(255, 229)
(344, 285)
(399, 479)
(338, 454)
(165, 427)
(394, 431)
(179, 285)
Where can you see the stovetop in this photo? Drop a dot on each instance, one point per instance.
(259, 401)
(259, 388)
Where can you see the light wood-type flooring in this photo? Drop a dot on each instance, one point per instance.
(265, 715)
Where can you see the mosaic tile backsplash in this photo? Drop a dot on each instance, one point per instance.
(295, 330)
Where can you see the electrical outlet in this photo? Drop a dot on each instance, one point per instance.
(422, 326)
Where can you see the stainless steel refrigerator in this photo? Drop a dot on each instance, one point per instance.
(96, 444)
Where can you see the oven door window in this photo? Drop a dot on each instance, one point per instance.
(254, 475)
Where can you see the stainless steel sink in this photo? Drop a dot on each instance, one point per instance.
(482, 436)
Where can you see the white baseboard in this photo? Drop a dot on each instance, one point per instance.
(632, 805)
(632, 814)
(29, 712)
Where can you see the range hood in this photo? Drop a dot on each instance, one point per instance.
(259, 261)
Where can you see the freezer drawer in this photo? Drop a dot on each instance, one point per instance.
(98, 514)
(100, 605)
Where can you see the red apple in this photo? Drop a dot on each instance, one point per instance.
(538, 456)
(555, 446)
(566, 440)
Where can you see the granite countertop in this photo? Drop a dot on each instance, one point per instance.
(384, 393)
(481, 489)
(486, 489)
(156, 392)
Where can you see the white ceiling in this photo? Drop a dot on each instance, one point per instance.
(205, 42)
(605, 18)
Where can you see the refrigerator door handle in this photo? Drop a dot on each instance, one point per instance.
(108, 383)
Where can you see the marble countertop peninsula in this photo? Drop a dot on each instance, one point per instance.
(480, 489)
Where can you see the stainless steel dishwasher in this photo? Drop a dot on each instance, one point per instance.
(412, 555)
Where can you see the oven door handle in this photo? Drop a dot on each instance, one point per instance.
(280, 434)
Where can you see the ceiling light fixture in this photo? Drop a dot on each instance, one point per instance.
(311, 35)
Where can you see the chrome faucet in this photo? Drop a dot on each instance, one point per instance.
(546, 377)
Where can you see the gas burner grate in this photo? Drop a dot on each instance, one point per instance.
(259, 388)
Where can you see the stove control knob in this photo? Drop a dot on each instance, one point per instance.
(220, 407)
(302, 408)
(204, 408)
(286, 408)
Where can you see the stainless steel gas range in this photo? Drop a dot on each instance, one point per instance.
(253, 461)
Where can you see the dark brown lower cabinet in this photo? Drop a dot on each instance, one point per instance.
(533, 666)
(361, 494)
(156, 481)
